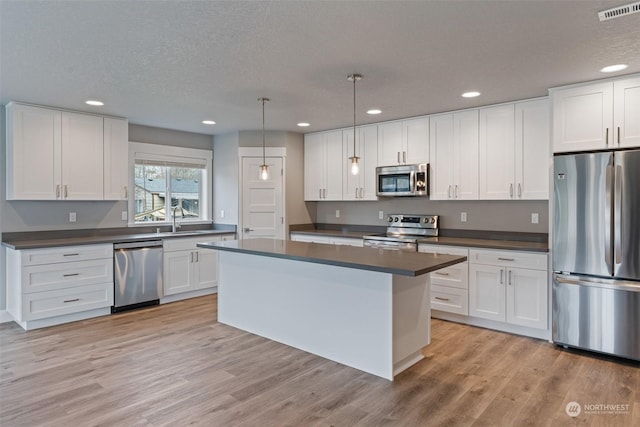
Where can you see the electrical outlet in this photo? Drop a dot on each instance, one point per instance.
(337, 213)
(534, 218)
(222, 213)
(72, 217)
(380, 215)
(124, 215)
(463, 217)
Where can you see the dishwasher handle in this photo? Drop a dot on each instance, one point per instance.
(137, 245)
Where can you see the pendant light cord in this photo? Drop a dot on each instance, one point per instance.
(264, 160)
(354, 115)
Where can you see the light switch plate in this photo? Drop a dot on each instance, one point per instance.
(337, 213)
(534, 218)
(124, 215)
(222, 213)
(72, 217)
(463, 217)
(380, 215)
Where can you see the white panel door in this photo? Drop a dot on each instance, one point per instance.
(205, 265)
(526, 302)
(582, 118)
(314, 166)
(442, 157)
(415, 135)
(178, 272)
(626, 112)
(334, 165)
(465, 158)
(262, 201)
(389, 144)
(497, 151)
(82, 156)
(532, 150)
(33, 153)
(486, 292)
(116, 162)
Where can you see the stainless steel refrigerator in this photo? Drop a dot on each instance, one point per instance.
(596, 252)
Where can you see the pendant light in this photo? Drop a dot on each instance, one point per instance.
(264, 168)
(354, 160)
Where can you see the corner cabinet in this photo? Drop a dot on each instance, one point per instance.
(363, 185)
(59, 155)
(597, 116)
(403, 142)
(323, 166)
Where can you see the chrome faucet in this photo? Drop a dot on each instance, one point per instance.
(175, 226)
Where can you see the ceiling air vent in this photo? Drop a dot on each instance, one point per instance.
(619, 11)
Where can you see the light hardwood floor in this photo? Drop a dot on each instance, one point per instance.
(175, 365)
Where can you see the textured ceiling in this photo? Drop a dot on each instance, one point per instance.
(172, 64)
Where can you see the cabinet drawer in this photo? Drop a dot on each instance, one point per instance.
(456, 276)
(66, 301)
(37, 278)
(442, 249)
(508, 259)
(66, 254)
(452, 300)
(187, 243)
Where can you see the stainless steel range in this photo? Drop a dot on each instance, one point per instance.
(403, 232)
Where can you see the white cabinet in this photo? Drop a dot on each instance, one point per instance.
(508, 287)
(330, 240)
(454, 156)
(450, 285)
(363, 185)
(116, 159)
(187, 267)
(346, 241)
(323, 166)
(56, 285)
(61, 155)
(597, 116)
(403, 142)
(514, 151)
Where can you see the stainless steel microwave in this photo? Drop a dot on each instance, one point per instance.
(402, 180)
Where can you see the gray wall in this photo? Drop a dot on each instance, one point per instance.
(499, 215)
(225, 184)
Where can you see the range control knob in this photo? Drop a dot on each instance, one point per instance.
(396, 219)
(390, 219)
(433, 220)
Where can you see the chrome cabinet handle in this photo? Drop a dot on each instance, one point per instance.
(456, 191)
(70, 274)
(501, 276)
(66, 193)
(399, 158)
(404, 157)
(506, 259)
(357, 194)
(449, 192)
(606, 137)
(511, 190)
(191, 257)
(76, 254)
(324, 193)
(197, 255)
(71, 300)
(247, 229)
(441, 274)
(126, 192)
(319, 193)
(58, 191)
(608, 200)
(362, 193)
(519, 190)
(618, 135)
(510, 278)
(442, 299)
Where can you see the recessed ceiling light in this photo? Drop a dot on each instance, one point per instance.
(208, 122)
(94, 103)
(470, 94)
(303, 124)
(374, 111)
(613, 68)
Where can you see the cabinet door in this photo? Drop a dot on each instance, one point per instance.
(532, 150)
(486, 292)
(314, 168)
(626, 112)
(33, 153)
(390, 144)
(465, 157)
(415, 134)
(497, 151)
(527, 298)
(582, 118)
(351, 183)
(178, 272)
(369, 146)
(116, 159)
(334, 162)
(82, 156)
(442, 157)
(205, 266)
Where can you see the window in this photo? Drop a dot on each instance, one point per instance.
(168, 186)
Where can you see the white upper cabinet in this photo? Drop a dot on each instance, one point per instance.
(363, 185)
(497, 152)
(454, 156)
(405, 142)
(514, 151)
(33, 153)
(116, 161)
(597, 116)
(323, 166)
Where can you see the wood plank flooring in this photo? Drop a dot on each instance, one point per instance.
(175, 365)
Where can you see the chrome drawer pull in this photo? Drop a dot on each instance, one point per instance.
(506, 259)
(70, 254)
(71, 274)
(441, 274)
(72, 300)
(442, 299)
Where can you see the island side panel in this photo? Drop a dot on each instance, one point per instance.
(342, 314)
(411, 320)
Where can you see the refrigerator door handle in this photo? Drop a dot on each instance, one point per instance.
(617, 215)
(607, 218)
(619, 285)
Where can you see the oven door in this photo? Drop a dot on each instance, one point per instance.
(390, 245)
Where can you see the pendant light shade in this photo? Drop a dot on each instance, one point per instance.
(264, 168)
(354, 159)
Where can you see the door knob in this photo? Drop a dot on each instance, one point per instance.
(247, 229)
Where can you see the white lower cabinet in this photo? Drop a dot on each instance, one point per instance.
(509, 286)
(330, 240)
(449, 286)
(188, 267)
(56, 285)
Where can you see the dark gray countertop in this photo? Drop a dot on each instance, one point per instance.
(334, 233)
(400, 263)
(35, 243)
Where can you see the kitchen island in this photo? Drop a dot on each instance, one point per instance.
(363, 307)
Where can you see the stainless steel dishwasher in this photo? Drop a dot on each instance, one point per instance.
(137, 274)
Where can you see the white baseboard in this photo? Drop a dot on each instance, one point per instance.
(543, 334)
(187, 295)
(5, 316)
